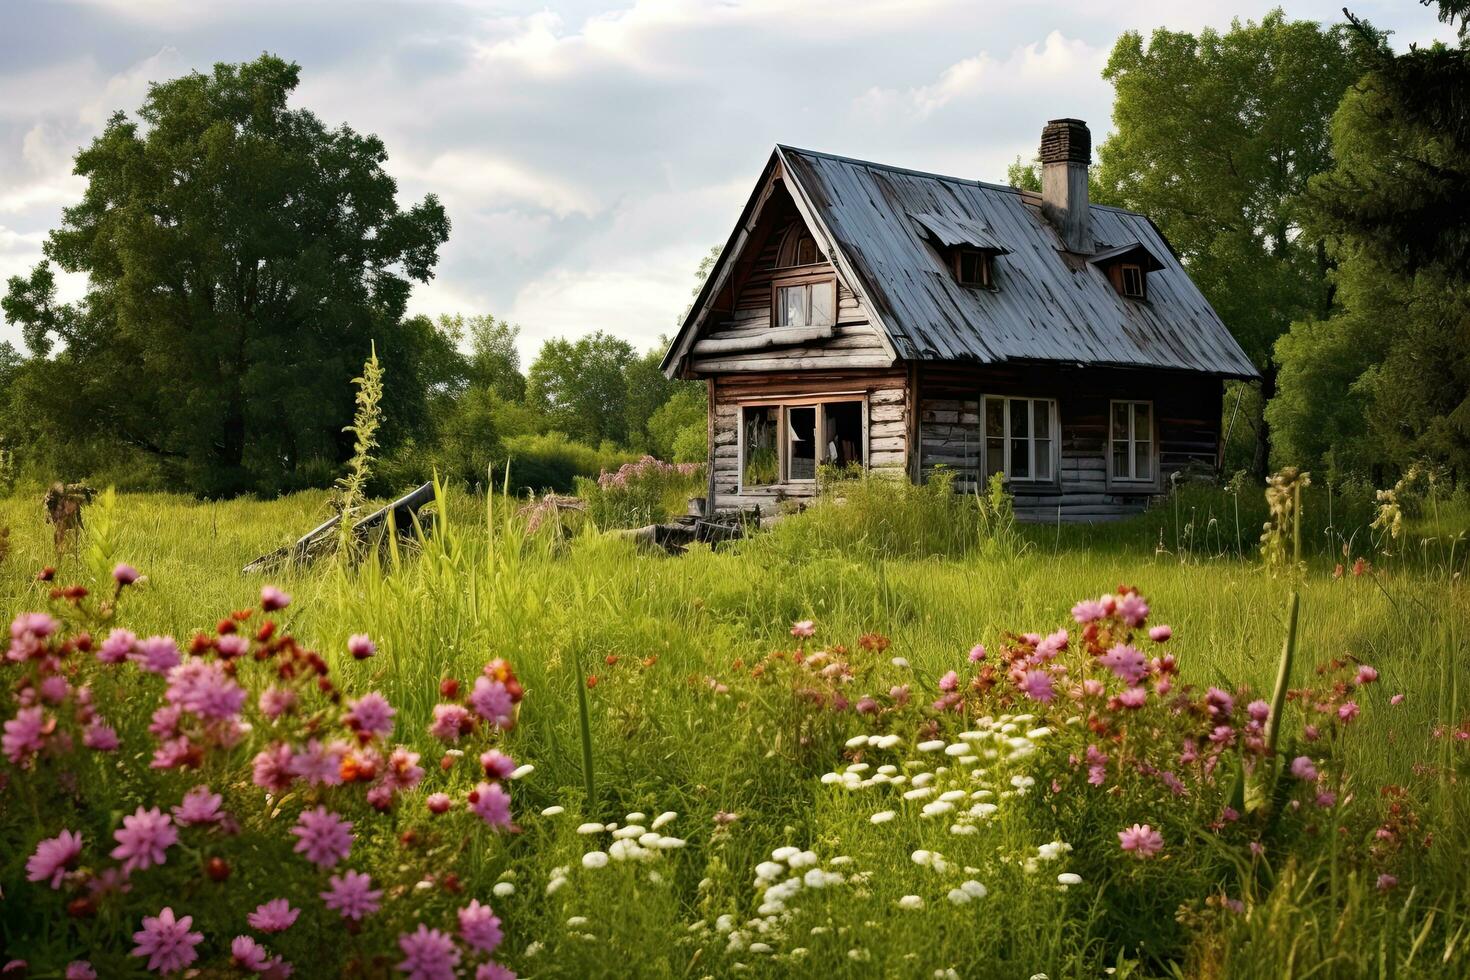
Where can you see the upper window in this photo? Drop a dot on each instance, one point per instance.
(1020, 438)
(1131, 435)
(797, 247)
(805, 304)
(972, 267)
(1130, 281)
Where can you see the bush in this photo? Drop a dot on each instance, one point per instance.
(553, 462)
(636, 494)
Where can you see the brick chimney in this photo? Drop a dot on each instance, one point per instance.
(1066, 150)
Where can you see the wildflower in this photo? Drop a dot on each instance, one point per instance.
(911, 902)
(1036, 685)
(271, 768)
(1161, 634)
(370, 715)
(1141, 840)
(1133, 697)
(1348, 711)
(156, 655)
(480, 927)
(1258, 711)
(276, 701)
(1326, 799)
(450, 722)
(1396, 700)
(204, 689)
(248, 954)
(24, 734)
(100, 736)
(977, 653)
(167, 941)
(1087, 611)
(491, 804)
(494, 971)
(1067, 878)
(322, 836)
(232, 645)
(272, 599)
(1126, 662)
(117, 646)
(492, 701)
(318, 764)
(949, 681)
(144, 839)
(1052, 645)
(882, 816)
(1219, 703)
(351, 894)
(958, 896)
(198, 806)
(277, 915)
(1133, 610)
(593, 860)
(79, 970)
(428, 954)
(1387, 882)
(438, 802)
(803, 629)
(1366, 674)
(53, 857)
(497, 764)
(361, 646)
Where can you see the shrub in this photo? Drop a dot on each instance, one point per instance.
(640, 493)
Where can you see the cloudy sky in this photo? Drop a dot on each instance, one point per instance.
(590, 151)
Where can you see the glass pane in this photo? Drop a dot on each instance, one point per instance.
(824, 303)
(1041, 419)
(1120, 460)
(1020, 423)
(1142, 424)
(995, 457)
(842, 433)
(995, 417)
(1043, 459)
(791, 309)
(1143, 460)
(1120, 421)
(806, 251)
(760, 466)
(1020, 460)
(802, 455)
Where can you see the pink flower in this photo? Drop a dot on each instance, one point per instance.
(1326, 799)
(1133, 610)
(438, 803)
(352, 895)
(204, 689)
(144, 839)
(1133, 698)
(79, 970)
(977, 653)
(156, 655)
(276, 701)
(322, 836)
(949, 681)
(428, 954)
(117, 646)
(1397, 699)
(167, 942)
(1036, 685)
(1348, 711)
(1387, 882)
(404, 771)
(479, 927)
(1161, 634)
(318, 764)
(370, 714)
(1088, 611)
(1303, 769)
(493, 971)
(361, 646)
(497, 764)
(1310, 733)
(1219, 703)
(277, 915)
(491, 804)
(272, 598)
(1366, 674)
(248, 954)
(1259, 711)
(803, 629)
(199, 806)
(1141, 840)
(232, 645)
(24, 735)
(53, 857)
(271, 768)
(124, 574)
(1048, 648)
(450, 721)
(100, 736)
(491, 700)
(1097, 765)
(1126, 662)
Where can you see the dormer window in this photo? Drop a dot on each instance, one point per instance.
(1131, 282)
(972, 267)
(1127, 268)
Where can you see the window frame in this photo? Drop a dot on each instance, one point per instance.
(810, 282)
(1131, 481)
(1123, 269)
(987, 268)
(1053, 436)
(783, 442)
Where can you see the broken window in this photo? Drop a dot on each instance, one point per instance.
(760, 464)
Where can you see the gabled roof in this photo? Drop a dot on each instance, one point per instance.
(873, 221)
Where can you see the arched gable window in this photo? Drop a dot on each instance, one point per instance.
(798, 247)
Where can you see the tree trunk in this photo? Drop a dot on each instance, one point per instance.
(1261, 462)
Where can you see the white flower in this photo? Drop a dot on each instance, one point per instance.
(922, 858)
(522, 771)
(577, 921)
(784, 853)
(632, 830)
(911, 902)
(957, 748)
(555, 885)
(1022, 782)
(958, 896)
(882, 816)
(840, 860)
(553, 811)
(858, 955)
(953, 795)
(503, 889)
(923, 778)
(918, 794)
(888, 770)
(724, 923)
(886, 741)
(1036, 733)
(937, 807)
(590, 828)
(857, 741)
(636, 817)
(663, 819)
(802, 859)
(828, 778)
(760, 948)
(817, 878)
(900, 662)
(670, 843)
(963, 829)
(1054, 850)
(974, 889)
(859, 767)
(769, 870)
(594, 859)
(932, 745)
(1068, 878)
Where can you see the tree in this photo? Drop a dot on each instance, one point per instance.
(580, 387)
(242, 257)
(1215, 138)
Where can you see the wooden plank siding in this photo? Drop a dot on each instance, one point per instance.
(1186, 429)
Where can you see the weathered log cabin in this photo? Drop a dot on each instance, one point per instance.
(905, 321)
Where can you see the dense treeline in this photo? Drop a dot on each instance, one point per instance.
(242, 257)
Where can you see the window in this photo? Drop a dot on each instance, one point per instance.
(787, 443)
(972, 267)
(1020, 438)
(797, 247)
(1131, 439)
(806, 250)
(806, 304)
(1130, 280)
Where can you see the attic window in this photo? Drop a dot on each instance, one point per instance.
(972, 267)
(1130, 280)
(804, 303)
(797, 247)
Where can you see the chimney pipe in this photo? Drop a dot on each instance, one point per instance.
(1066, 150)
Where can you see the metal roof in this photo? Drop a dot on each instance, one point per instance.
(1048, 305)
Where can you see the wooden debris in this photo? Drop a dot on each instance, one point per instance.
(320, 539)
(675, 537)
(63, 504)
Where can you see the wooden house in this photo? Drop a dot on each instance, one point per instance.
(903, 321)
